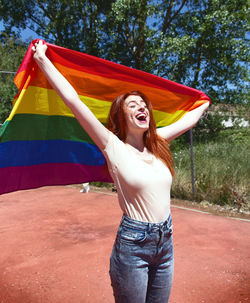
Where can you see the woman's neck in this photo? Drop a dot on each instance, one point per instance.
(136, 141)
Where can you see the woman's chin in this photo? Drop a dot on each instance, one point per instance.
(143, 127)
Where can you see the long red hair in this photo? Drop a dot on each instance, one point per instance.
(153, 142)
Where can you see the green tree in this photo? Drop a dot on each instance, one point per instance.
(11, 54)
(73, 24)
(202, 44)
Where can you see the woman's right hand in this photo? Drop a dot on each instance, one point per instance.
(39, 49)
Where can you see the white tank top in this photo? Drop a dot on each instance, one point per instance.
(143, 184)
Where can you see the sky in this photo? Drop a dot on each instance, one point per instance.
(26, 34)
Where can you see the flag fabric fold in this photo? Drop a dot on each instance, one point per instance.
(41, 142)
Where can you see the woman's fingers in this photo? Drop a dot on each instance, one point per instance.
(39, 44)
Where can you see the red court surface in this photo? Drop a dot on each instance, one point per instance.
(55, 244)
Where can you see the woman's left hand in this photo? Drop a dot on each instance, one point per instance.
(39, 50)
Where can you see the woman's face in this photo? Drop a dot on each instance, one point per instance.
(137, 113)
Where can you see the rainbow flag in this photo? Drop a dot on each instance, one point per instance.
(41, 142)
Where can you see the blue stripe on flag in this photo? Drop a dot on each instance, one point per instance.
(24, 153)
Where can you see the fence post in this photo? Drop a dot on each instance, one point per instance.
(192, 159)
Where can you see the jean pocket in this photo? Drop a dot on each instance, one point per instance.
(132, 236)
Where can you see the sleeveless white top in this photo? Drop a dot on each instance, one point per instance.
(143, 184)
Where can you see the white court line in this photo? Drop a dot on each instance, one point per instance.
(208, 213)
(182, 207)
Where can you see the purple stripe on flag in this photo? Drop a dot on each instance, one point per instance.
(27, 177)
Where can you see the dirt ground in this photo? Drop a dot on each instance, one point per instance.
(55, 244)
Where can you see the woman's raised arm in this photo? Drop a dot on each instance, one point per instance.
(83, 114)
(179, 127)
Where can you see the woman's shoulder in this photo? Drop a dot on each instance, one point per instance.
(114, 144)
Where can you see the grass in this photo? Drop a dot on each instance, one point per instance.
(222, 170)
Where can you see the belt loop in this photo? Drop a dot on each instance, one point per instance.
(149, 227)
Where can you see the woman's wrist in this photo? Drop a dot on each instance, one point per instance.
(40, 58)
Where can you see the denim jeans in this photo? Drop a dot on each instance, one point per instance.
(142, 262)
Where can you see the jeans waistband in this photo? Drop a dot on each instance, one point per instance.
(146, 225)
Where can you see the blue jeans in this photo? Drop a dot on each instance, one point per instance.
(142, 262)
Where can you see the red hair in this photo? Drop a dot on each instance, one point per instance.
(153, 142)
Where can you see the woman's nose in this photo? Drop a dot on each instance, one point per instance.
(141, 108)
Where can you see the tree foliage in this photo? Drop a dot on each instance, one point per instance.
(73, 24)
(11, 54)
(202, 44)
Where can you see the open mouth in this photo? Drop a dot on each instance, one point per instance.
(141, 117)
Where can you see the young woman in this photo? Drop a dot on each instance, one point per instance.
(140, 163)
